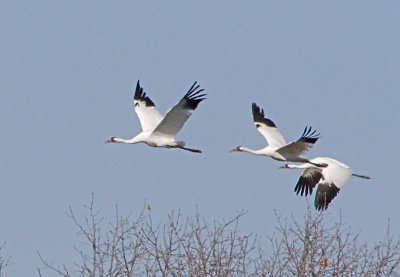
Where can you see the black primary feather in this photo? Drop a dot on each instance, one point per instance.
(308, 136)
(192, 97)
(140, 95)
(258, 116)
(307, 181)
(324, 196)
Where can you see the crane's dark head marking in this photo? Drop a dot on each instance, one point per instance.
(236, 149)
(111, 140)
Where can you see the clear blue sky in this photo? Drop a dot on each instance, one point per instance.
(67, 74)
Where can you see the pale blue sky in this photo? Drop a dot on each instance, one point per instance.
(67, 74)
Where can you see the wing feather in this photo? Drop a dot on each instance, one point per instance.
(180, 113)
(326, 192)
(267, 127)
(308, 180)
(304, 143)
(146, 111)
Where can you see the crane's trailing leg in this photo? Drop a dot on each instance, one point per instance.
(315, 164)
(189, 149)
(361, 176)
(318, 165)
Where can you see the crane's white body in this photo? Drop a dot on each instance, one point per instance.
(330, 179)
(278, 148)
(158, 130)
(335, 172)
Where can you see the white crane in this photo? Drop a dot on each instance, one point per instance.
(277, 147)
(159, 131)
(330, 178)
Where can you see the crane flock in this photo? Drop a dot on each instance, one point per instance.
(160, 131)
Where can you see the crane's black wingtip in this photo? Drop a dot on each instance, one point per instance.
(309, 135)
(325, 194)
(259, 116)
(140, 95)
(193, 97)
(307, 181)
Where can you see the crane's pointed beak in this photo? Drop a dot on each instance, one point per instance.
(284, 166)
(107, 141)
(236, 149)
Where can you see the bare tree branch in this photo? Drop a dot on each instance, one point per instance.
(197, 247)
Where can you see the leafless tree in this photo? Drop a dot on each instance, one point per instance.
(4, 261)
(311, 248)
(191, 247)
(196, 247)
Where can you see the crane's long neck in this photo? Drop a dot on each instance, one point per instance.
(129, 141)
(251, 151)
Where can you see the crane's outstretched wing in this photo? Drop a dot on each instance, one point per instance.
(325, 194)
(179, 114)
(267, 128)
(146, 111)
(307, 181)
(304, 143)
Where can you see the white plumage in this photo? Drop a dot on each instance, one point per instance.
(159, 131)
(278, 148)
(330, 179)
